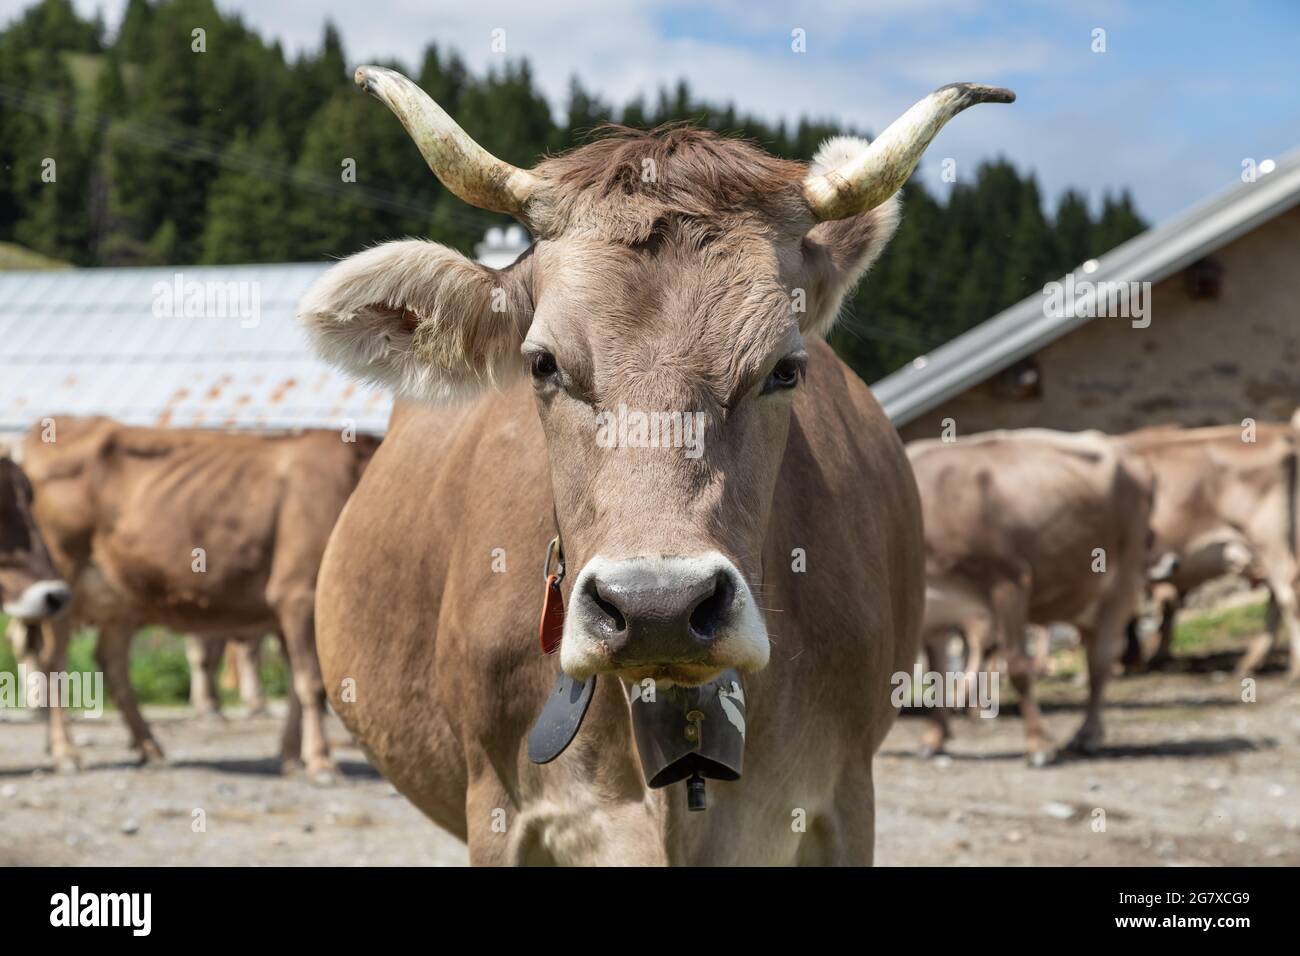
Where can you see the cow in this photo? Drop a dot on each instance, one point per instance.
(30, 587)
(31, 592)
(1033, 526)
(771, 562)
(1225, 504)
(202, 532)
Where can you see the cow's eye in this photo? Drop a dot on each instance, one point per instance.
(785, 374)
(543, 364)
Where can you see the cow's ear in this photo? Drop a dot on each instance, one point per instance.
(420, 318)
(837, 254)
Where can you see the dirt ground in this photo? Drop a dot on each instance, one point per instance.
(113, 813)
(1191, 775)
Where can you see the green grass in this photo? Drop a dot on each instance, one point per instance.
(14, 256)
(1217, 629)
(160, 673)
(1200, 633)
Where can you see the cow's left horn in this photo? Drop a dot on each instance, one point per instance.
(867, 180)
(460, 164)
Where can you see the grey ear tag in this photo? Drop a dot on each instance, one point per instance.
(560, 718)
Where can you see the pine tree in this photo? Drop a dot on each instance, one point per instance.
(1119, 223)
(313, 79)
(133, 39)
(1031, 252)
(53, 167)
(53, 25)
(249, 215)
(1073, 232)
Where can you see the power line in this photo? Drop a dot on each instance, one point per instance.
(881, 331)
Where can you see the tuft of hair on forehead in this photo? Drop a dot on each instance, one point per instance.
(626, 185)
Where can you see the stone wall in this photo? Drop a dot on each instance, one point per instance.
(1202, 361)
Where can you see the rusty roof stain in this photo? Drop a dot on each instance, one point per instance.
(281, 390)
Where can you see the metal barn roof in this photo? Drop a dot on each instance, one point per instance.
(1023, 329)
(117, 342)
(101, 342)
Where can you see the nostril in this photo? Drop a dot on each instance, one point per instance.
(711, 613)
(54, 600)
(614, 617)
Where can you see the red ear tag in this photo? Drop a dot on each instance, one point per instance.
(552, 626)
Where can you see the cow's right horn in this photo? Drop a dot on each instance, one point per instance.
(460, 164)
(879, 171)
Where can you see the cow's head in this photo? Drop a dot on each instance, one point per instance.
(661, 315)
(30, 587)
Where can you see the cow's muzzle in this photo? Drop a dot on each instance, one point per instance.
(677, 620)
(39, 601)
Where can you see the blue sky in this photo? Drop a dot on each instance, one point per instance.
(1183, 93)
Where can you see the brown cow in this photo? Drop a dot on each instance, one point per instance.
(677, 277)
(1033, 526)
(1226, 504)
(31, 591)
(201, 532)
(30, 587)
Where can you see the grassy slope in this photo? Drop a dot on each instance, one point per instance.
(14, 256)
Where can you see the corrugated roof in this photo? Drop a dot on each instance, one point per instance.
(1024, 328)
(118, 342)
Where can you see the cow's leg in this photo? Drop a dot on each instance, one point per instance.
(937, 733)
(1272, 616)
(1169, 606)
(297, 624)
(1283, 598)
(248, 659)
(204, 658)
(1289, 612)
(980, 654)
(1009, 600)
(52, 660)
(855, 812)
(1040, 748)
(113, 653)
(1104, 645)
(845, 834)
(1132, 659)
(25, 638)
(1166, 601)
(1261, 644)
(291, 738)
(490, 816)
(1293, 635)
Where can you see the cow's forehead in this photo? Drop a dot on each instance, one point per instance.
(703, 316)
